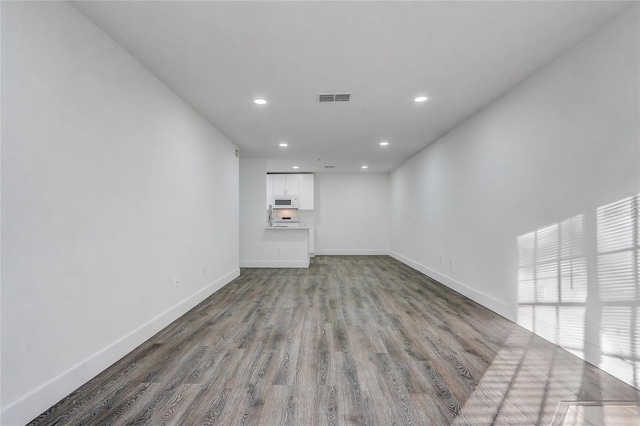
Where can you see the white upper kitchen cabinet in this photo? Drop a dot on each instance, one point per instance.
(306, 193)
(284, 184)
(276, 184)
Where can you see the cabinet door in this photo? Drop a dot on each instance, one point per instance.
(306, 194)
(293, 187)
(269, 190)
(278, 184)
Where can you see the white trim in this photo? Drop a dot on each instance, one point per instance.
(485, 300)
(38, 400)
(352, 252)
(274, 263)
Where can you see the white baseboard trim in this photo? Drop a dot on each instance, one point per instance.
(485, 300)
(27, 407)
(352, 253)
(274, 263)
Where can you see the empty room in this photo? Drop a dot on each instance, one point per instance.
(320, 213)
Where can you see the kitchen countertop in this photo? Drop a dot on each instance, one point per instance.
(287, 228)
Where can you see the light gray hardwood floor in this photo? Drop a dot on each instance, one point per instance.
(351, 340)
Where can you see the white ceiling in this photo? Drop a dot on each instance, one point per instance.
(219, 56)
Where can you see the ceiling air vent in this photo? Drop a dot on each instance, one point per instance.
(334, 97)
(329, 167)
(326, 98)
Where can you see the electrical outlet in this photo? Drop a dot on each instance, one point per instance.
(277, 249)
(357, 242)
(440, 259)
(204, 269)
(451, 263)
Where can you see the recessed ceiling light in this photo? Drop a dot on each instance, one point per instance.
(384, 143)
(365, 167)
(420, 99)
(260, 101)
(284, 144)
(296, 167)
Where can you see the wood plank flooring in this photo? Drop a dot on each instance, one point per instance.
(352, 340)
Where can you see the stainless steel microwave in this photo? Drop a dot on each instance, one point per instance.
(289, 201)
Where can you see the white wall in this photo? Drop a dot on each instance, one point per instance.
(559, 146)
(260, 247)
(111, 187)
(352, 213)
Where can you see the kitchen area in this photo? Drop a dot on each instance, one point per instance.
(336, 214)
(275, 232)
(290, 204)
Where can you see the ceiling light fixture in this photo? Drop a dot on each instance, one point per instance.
(365, 167)
(420, 99)
(296, 167)
(260, 101)
(284, 145)
(384, 143)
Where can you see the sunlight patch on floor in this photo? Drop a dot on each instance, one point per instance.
(597, 413)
